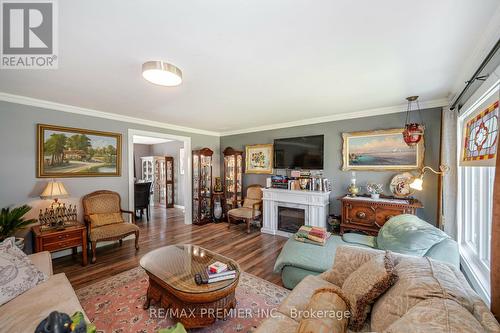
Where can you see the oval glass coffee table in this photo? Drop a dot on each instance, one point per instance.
(171, 270)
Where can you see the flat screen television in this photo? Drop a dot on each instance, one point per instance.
(304, 152)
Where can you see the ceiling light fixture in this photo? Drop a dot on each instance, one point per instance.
(162, 73)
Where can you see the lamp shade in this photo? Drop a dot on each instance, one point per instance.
(54, 190)
(417, 183)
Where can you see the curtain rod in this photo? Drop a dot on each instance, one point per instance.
(477, 75)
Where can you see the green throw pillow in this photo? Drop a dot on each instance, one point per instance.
(408, 234)
(360, 239)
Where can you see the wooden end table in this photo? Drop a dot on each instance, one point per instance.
(171, 271)
(57, 240)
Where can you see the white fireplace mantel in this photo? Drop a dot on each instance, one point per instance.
(314, 203)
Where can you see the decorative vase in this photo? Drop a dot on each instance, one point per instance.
(217, 210)
(375, 196)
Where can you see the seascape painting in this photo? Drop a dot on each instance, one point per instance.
(380, 150)
(73, 152)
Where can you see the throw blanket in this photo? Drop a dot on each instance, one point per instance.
(312, 235)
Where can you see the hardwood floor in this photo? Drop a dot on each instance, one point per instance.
(255, 252)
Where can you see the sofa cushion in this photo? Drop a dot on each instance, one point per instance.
(112, 230)
(408, 234)
(298, 299)
(23, 313)
(99, 220)
(17, 273)
(436, 315)
(278, 323)
(418, 279)
(327, 311)
(366, 284)
(42, 261)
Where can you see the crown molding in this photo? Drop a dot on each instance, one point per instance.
(99, 114)
(309, 121)
(341, 116)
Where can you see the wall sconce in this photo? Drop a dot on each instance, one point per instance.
(419, 181)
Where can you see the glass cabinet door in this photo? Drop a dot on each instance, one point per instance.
(169, 181)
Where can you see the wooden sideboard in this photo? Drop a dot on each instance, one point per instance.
(369, 215)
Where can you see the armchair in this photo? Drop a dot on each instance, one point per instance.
(251, 207)
(104, 220)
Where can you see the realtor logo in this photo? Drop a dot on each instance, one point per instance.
(29, 34)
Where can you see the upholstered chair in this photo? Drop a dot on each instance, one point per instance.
(250, 210)
(103, 217)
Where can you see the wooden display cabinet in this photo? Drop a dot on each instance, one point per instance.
(202, 186)
(233, 171)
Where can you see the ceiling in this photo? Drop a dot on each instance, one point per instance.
(255, 63)
(146, 140)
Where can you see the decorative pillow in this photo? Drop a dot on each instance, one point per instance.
(99, 220)
(347, 259)
(327, 311)
(366, 284)
(408, 234)
(17, 273)
(418, 279)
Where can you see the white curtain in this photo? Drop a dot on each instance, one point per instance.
(448, 213)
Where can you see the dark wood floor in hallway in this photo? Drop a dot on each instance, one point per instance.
(255, 252)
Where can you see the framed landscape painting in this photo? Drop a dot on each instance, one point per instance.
(381, 150)
(72, 152)
(259, 159)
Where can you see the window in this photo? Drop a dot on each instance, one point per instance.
(477, 135)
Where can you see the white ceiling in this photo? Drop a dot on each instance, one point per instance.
(256, 63)
(146, 140)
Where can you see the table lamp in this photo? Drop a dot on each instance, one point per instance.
(54, 190)
(419, 181)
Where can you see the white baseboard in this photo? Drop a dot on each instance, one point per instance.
(179, 206)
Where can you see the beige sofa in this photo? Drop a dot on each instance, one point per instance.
(429, 296)
(23, 313)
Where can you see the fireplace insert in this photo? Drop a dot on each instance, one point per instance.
(290, 219)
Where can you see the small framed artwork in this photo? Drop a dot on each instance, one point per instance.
(380, 151)
(65, 152)
(259, 159)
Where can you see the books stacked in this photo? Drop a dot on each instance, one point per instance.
(219, 271)
(312, 235)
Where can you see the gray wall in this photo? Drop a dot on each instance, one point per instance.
(333, 154)
(172, 149)
(140, 150)
(18, 150)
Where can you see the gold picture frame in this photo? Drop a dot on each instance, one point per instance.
(67, 152)
(259, 159)
(381, 150)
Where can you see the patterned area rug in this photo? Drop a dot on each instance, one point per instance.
(114, 305)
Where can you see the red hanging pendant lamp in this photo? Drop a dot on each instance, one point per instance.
(413, 132)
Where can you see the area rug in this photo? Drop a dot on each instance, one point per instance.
(115, 305)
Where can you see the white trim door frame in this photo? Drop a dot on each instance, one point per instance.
(187, 162)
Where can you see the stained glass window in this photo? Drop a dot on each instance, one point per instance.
(481, 136)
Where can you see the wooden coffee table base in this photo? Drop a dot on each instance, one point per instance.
(192, 310)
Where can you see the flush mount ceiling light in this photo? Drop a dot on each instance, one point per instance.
(162, 73)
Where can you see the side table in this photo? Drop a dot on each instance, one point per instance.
(57, 240)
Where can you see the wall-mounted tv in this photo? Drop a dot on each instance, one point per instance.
(304, 152)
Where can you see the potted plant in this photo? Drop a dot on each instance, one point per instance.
(375, 190)
(11, 220)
